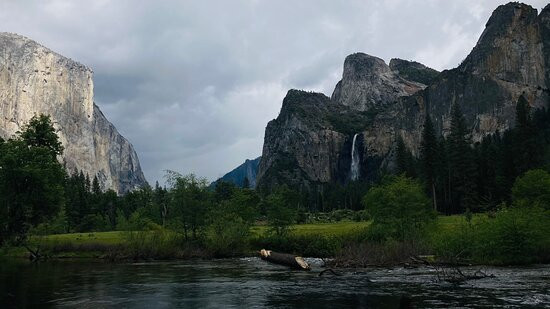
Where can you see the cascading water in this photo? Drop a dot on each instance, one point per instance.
(354, 168)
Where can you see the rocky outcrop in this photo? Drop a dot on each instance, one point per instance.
(368, 82)
(248, 170)
(312, 144)
(34, 80)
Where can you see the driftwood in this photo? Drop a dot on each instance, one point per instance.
(456, 276)
(34, 255)
(452, 273)
(290, 260)
(330, 270)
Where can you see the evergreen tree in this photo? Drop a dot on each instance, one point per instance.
(527, 153)
(96, 188)
(461, 163)
(429, 157)
(404, 159)
(31, 179)
(160, 201)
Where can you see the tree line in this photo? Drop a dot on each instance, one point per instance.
(460, 175)
(38, 195)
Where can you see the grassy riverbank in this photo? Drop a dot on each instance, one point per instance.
(450, 238)
(320, 239)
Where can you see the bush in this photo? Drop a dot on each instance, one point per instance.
(280, 211)
(399, 208)
(532, 189)
(513, 236)
(228, 235)
(305, 245)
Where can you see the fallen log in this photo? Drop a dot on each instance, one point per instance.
(290, 260)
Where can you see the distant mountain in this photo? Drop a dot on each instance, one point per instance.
(313, 140)
(249, 169)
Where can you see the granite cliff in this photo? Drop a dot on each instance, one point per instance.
(310, 142)
(35, 80)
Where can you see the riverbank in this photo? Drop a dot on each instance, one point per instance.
(452, 239)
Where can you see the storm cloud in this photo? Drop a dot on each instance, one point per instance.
(192, 84)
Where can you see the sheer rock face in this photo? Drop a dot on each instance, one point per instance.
(34, 80)
(511, 58)
(368, 82)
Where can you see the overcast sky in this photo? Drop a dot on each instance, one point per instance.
(192, 84)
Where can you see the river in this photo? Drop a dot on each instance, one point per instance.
(253, 283)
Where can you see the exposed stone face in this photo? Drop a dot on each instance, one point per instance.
(368, 82)
(34, 80)
(511, 58)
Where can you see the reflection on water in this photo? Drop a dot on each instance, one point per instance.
(251, 282)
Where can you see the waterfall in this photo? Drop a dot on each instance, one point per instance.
(354, 168)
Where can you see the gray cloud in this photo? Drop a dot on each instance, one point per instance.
(192, 84)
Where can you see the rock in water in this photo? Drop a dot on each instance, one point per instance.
(35, 80)
(309, 143)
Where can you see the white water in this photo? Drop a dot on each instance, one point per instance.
(354, 160)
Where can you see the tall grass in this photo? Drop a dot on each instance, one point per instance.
(513, 236)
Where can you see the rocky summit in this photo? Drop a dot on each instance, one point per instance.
(35, 80)
(311, 141)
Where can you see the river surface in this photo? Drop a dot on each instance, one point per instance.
(253, 283)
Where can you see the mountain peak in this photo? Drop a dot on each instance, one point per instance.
(368, 82)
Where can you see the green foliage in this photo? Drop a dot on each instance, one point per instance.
(40, 133)
(57, 225)
(532, 189)
(352, 122)
(399, 208)
(513, 236)
(230, 223)
(31, 179)
(281, 208)
(190, 202)
(404, 159)
(228, 233)
(422, 75)
(461, 163)
(313, 245)
(159, 244)
(429, 157)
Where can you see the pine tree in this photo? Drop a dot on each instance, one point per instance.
(527, 153)
(461, 163)
(96, 189)
(429, 157)
(404, 159)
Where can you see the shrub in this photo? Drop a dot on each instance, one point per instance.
(228, 235)
(306, 245)
(400, 208)
(532, 189)
(513, 236)
(280, 211)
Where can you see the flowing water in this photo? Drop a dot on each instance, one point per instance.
(354, 168)
(253, 283)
